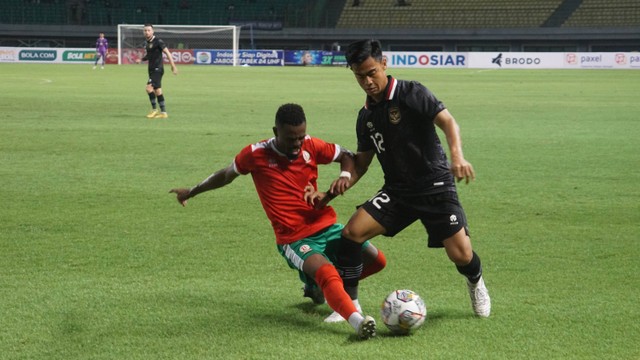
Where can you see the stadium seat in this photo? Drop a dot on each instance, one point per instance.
(420, 14)
(457, 14)
(605, 13)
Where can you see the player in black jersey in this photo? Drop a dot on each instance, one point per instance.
(398, 125)
(155, 47)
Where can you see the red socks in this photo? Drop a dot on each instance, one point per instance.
(329, 280)
(375, 266)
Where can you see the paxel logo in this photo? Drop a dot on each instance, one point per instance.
(589, 59)
(38, 55)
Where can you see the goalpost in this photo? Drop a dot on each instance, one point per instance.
(181, 38)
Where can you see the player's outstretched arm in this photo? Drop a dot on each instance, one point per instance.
(461, 168)
(347, 167)
(361, 163)
(216, 180)
(182, 195)
(313, 196)
(174, 69)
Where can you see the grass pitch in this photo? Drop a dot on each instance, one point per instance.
(98, 261)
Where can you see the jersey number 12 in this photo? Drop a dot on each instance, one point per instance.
(378, 141)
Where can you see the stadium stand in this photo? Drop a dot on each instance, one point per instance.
(427, 25)
(605, 13)
(341, 14)
(192, 12)
(453, 14)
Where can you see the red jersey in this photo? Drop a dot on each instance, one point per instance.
(280, 183)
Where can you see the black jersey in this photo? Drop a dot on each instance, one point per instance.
(154, 49)
(400, 129)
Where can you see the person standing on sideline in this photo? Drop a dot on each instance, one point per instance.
(283, 169)
(102, 45)
(398, 125)
(155, 47)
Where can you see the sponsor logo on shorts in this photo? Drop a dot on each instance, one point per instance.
(305, 249)
(453, 220)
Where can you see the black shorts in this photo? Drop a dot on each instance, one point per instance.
(441, 214)
(155, 78)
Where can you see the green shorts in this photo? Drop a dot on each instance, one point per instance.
(325, 243)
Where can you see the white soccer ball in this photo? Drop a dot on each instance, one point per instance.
(403, 311)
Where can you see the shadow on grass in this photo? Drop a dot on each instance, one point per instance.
(435, 319)
(314, 309)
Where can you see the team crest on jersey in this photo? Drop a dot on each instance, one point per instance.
(306, 156)
(369, 124)
(394, 115)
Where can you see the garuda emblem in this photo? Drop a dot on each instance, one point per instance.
(394, 115)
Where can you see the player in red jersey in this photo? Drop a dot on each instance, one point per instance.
(283, 169)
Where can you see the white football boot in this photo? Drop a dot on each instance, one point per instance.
(335, 317)
(367, 328)
(480, 300)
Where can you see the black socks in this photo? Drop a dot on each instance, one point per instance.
(161, 102)
(349, 262)
(152, 98)
(473, 270)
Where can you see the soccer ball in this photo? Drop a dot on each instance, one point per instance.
(403, 311)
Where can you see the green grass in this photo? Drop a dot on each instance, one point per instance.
(98, 261)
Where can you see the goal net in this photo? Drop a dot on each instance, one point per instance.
(183, 41)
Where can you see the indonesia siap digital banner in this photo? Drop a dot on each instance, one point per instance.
(246, 57)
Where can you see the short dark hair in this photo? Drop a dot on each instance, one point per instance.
(147, 24)
(290, 114)
(359, 51)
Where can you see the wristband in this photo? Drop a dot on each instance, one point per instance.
(346, 174)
